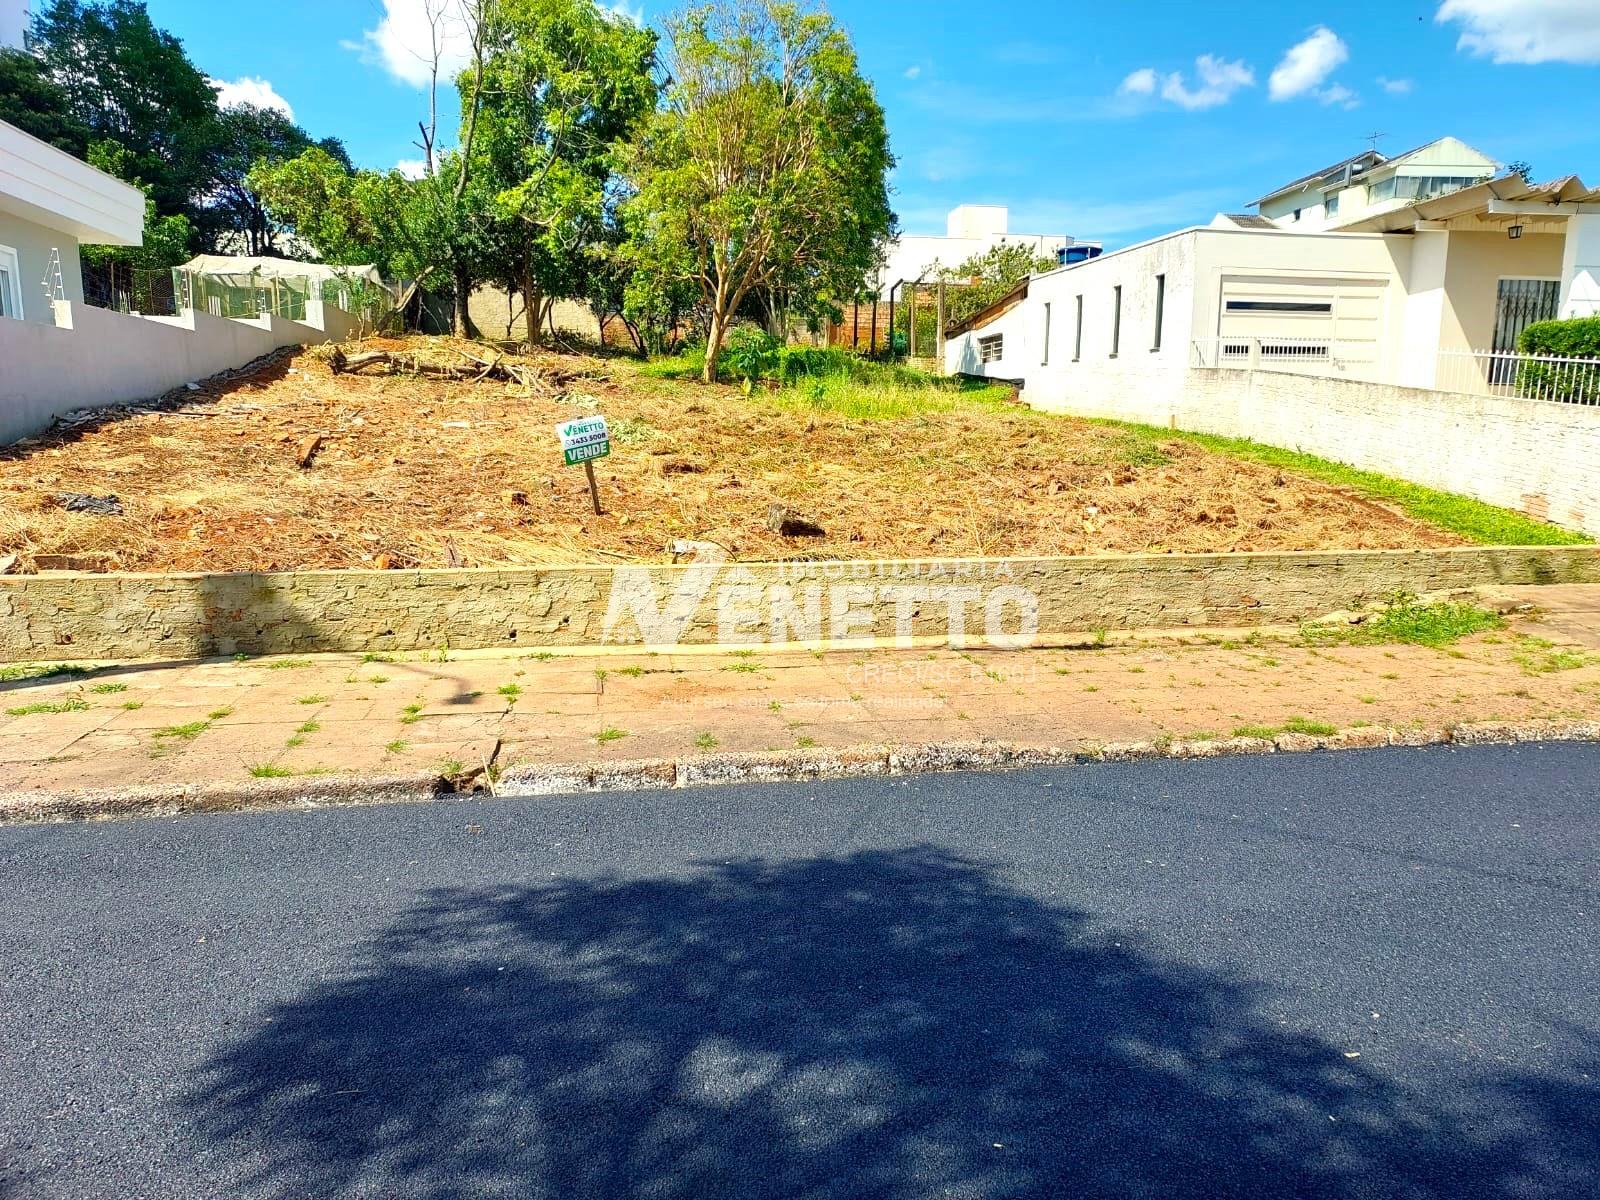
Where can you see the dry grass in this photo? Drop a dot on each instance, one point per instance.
(423, 472)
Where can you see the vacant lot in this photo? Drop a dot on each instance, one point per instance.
(418, 471)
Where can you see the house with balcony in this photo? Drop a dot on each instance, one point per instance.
(1371, 183)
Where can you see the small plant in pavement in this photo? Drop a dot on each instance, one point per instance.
(312, 699)
(48, 706)
(108, 689)
(269, 771)
(706, 741)
(610, 734)
(395, 747)
(184, 733)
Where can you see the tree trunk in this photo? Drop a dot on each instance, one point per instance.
(463, 324)
(714, 335)
(531, 304)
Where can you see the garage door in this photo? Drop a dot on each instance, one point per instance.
(1305, 322)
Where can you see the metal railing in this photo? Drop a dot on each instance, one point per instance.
(1563, 379)
(1315, 355)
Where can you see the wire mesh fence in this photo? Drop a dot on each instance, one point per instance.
(121, 288)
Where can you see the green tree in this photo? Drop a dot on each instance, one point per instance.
(132, 271)
(989, 276)
(766, 168)
(37, 104)
(562, 83)
(128, 82)
(248, 136)
(345, 216)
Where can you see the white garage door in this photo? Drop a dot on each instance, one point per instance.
(1301, 322)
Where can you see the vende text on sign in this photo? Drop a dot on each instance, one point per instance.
(584, 439)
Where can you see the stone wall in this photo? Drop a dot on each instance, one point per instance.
(133, 616)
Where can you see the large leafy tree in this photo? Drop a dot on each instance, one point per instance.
(125, 81)
(345, 216)
(247, 136)
(561, 84)
(37, 104)
(765, 170)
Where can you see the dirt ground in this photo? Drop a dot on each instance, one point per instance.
(415, 471)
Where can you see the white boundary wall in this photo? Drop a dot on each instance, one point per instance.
(93, 357)
(1533, 456)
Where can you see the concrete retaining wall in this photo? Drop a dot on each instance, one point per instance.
(93, 357)
(62, 617)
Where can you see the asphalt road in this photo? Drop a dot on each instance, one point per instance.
(1366, 974)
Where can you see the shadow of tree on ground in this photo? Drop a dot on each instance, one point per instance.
(887, 1024)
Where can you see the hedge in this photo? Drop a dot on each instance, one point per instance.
(1571, 382)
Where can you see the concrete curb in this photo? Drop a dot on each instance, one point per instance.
(538, 779)
(558, 779)
(168, 800)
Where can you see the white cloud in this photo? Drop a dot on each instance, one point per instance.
(1307, 64)
(1139, 83)
(912, 72)
(1527, 31)
(1218, 80)
(249, 89)
(1337, 93)
(412, 168)
(628, 12)
(405, 39)
(1396, 87)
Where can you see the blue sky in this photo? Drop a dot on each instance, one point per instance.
(1111, 121)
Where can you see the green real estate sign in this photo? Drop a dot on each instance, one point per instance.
(584, 439)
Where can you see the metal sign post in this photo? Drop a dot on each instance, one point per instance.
(582, 441)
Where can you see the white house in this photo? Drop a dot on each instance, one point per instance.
(1372, 183)
(969, 229)
(50, 203)
(1388, 342)
(57, 353)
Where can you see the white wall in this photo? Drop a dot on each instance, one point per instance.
(1360, 274)
(93, 357)
(1532, 456)
(1580, 267)
(33, 243)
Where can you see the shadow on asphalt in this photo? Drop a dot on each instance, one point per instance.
(889, 1024)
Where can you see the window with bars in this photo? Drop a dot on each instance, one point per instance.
(992, 348)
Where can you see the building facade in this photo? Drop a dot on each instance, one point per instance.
(50, 203)
(1418, 296)
(970, 229)
(14, 20)
(1371, 183)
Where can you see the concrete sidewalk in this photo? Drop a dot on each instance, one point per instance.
(214, 723)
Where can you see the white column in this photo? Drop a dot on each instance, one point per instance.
(1580, 267)
(1424, 309)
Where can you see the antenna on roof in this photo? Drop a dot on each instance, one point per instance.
(1373, 138)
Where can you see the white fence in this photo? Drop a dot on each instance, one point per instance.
(1526, 376)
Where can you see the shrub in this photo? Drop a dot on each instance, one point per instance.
(751, 354)
(1575, 338)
